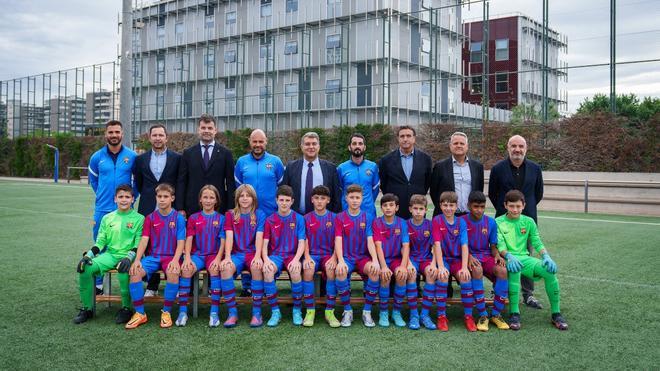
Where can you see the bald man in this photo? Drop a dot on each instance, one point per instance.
(261, 170)
(517, 172)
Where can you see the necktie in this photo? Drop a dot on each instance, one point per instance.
(206, 156)
(309, 184)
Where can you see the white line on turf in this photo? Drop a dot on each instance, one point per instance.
(61, 185)
(46, 212)
(598, 220)
(612, 282)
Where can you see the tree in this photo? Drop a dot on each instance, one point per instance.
(527, 113)
(627, 105)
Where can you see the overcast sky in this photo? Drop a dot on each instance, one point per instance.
(39, 36)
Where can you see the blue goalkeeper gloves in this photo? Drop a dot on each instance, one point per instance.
(548, 263)
(513, 265)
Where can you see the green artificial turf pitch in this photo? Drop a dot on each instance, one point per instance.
(608, 272)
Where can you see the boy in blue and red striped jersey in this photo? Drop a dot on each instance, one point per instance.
(450, 246)
(485, 260)
(284, 234)
(244, 227)
(355, 251)
(319, 255)
(205, 239)
(393, 249)
(163, 236)
(422, 261)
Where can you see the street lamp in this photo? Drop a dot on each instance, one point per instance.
(57, 162)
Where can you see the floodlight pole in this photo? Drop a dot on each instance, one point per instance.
(57, 162)
(126, 59)
(613, 56)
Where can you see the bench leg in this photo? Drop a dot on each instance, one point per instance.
(195, 298)
(107, 286)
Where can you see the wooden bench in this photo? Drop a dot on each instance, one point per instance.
(203, 298)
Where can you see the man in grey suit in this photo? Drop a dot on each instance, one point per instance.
(308, 172)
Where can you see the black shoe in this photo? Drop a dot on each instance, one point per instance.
(99, 291)
(123, 316)
(83, 316)
(246, 293)
(531, 302)
(514, 321)
(559, 322)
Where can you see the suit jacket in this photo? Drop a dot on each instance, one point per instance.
(146, 182)
(443, 179)
(293, 178)
(501, 181)
(192, 177)
(393, 179)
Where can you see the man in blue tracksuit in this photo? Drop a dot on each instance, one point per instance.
(360, 171)
(262, 170)
(108, 168)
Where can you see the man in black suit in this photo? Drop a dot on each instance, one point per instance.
(456, 173)
(208, 162)
(517, 172)
(308, 172)
(406, 171)
(160, 165)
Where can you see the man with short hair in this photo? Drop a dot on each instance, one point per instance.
(205, 163)
(304, 174)
(108, 168)
(262, 170)
(457, 173)
(519, 173)
(358, 170)
(405, 171)
(160, 165)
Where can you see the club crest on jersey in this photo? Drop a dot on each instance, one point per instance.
(363, 225)
(292, 225)
(215, 223)
(172, 225)
(484, 231)
(129, 225)
(455, 232)
(126, 160)
(427, 233)
(328, 224)
(369, 172)
(397, 231)
(269, 166)
(523, 230)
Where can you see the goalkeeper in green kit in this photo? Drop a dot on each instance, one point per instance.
(514, 232)
(120, 233)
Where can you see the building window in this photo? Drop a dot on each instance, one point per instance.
(334, 8)
(502, 105)
(333, 48)
(209, 63)
(160, 35)
(230, 101)
(264, 99)
(160, 105)
(476, 85)
(501, 82)
(475, 52)
(291, 6)
(290, 97)
(333, 93)
(291, 90)
(160, 69)
(210, 25)
(230, 56)
(230, 18)
(291, 47)
(426, 89)
(178, 32)
(266, 10)
(501, 49)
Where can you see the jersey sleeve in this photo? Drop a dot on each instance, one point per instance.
(435, 230)
(221, 232)
(146, 228)
(102, 236)
(376, 231)
(534, 236)
(339, 232)
(229, 219)
(138, 231)
(405, 238)
(93, 171)
(492, 228)
(238, 175)
(501, 242)
(261, 221)
(300, 227)
(180, 228)
(369, 229)
(375, 186)
(190, 227)
(267, 230)
(279, 171)
(462, 232)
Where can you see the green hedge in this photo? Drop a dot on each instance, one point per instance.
(597, 142)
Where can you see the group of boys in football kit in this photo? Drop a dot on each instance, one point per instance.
(386, 251)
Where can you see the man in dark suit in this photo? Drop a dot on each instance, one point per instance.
(160, 165)
(456, 173)
(405, 171)
(517, 172)
(308, 172)
(208, 162)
